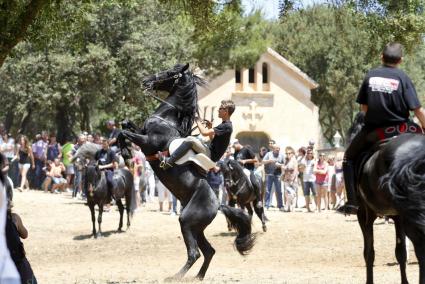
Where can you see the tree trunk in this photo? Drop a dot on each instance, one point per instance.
(11, 35)
(85, 119)
(8, 122)
(64, 123)
(26, 119)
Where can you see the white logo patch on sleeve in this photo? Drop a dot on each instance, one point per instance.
(384, 85)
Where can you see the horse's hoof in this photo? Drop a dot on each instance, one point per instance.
(119, 230)
(264, 228)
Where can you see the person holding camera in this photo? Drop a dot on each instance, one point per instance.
(273, 162)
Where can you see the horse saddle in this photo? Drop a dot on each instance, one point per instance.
(385, 134)
(199, 159)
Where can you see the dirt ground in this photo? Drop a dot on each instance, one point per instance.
(299, 247)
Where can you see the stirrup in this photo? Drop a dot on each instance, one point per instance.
(163, 162)
(164, 165)
(347, 209)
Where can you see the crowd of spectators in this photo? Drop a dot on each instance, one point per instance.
(45, 164)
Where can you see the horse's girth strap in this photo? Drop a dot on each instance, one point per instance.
(155, 157)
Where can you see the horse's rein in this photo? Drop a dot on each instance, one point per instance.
(150, 93)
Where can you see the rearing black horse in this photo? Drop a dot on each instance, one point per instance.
(391, 182)
(173, 119)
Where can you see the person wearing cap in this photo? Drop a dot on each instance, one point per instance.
(386, 96)
(219, 135)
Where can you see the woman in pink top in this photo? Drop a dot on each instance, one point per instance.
(320, 170)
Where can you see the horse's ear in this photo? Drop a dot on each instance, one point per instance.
(185, 67)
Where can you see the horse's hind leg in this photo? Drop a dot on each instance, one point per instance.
(416, 234)
(400, 248)
(260, 213)
(208, 251)
(366, 218)
(121, 209)
(190, 240)
(196, 216)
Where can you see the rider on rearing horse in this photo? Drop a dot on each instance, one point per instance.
(386, 96)
(220, 136)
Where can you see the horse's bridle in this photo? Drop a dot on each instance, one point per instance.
(149, 91)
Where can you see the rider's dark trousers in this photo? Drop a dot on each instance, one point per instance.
(109, 180)
(365, 139)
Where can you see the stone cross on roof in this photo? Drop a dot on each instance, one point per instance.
(253, 115)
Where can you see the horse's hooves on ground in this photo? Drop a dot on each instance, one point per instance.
(264, 228)
(120, 230)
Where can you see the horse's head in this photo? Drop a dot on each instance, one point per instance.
(181, 84)
(91, 178)
(232, 171)
(166, 80)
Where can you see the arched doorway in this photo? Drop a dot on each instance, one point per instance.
(255, 139)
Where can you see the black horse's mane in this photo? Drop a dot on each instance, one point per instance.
(186, 95)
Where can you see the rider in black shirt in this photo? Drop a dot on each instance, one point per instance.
(386, 96)
(245, 156)
(105, 158)
(220, 136)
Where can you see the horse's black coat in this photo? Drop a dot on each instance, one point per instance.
(242, 188)
(392, 183)
(94, 182)
(172, 119)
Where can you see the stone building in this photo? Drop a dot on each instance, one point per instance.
(273, 101)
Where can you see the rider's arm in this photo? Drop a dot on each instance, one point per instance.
(23, 233)
(107, 166)
(363, 108)
(250, 161)
(420, 114)
(266, 160)
(204, 130)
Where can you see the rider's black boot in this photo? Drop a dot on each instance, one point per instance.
(168, 162)
(350, 188)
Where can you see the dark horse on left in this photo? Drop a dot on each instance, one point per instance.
(391, 182)
(173, 119)
(95, 187)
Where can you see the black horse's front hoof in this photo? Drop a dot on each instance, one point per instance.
(264, 228)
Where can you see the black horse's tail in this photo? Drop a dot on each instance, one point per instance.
(241, 222)
(406, 183)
